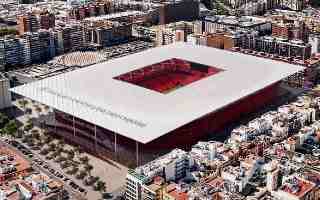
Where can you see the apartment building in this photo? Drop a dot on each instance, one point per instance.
(46, 20)
(68, 38)
(172, 166)
(291, 30)
(109, 33)
(212, 24)
(27, 23)
(182, 10)
(5, 94)
(12, 51)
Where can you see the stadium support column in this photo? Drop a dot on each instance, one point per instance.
(55, 121)
(137, 153)
(74, 127)
(95, 138)
(115, 143)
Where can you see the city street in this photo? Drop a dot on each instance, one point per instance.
(72, 193)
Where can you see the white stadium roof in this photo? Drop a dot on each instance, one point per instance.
(93, 94)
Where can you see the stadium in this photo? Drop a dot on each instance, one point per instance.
(172, 96)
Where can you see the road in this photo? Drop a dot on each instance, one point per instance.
(74, 195)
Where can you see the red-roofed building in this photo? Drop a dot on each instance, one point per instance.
(174, 193)
(296, 188)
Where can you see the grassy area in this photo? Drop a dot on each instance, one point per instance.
(7, 31)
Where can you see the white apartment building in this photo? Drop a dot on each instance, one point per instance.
(5, 94)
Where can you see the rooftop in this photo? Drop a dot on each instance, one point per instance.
(94, 95)
(297, 187)
(115, 15)
(18, 161)
(245, 21)
(154, 167)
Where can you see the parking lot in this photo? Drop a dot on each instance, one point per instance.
(75, 191)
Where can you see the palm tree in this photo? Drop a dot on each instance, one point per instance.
(30, 142)
(70, 154)
(84, 160)
(61, 159)
(78, 150)
(61, 144)
(47, 139)
(59, 150)
(38, 110)
(25, 138)
(23, 104)
(27, 127)
(44, 151)
(46, 108)
(65, 164)
(81, 174)
(100, 186)
(88, 168)
(90, 180)
(35, 134)
(52, 146)
(74, 170)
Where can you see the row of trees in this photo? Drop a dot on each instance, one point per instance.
(71, 160)
(24, 105)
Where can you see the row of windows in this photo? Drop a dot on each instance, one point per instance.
(130, 194)
(129, 197)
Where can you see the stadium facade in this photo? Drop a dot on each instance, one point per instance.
(156, 100)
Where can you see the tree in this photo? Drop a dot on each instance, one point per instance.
(90, 180)
(35, 134)
(28, 127)
(61, 144)
(44, 151)
(61, 159)
(74, 170)
(81, 174)
(100, 186)
(11, 128)
(49, 157)
(47, 139)
(30, 142)
(84, 160)
(25, 138)
(23, 103)
(78, 150)
(56, 153)
(29, 121)
(52, 146)
(88, 168)
(59, 150)
(70, 154)
(3, 120)
(46, 108)
(38, 110)
(65, 164)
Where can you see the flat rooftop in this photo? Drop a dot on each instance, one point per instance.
(95, 95)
